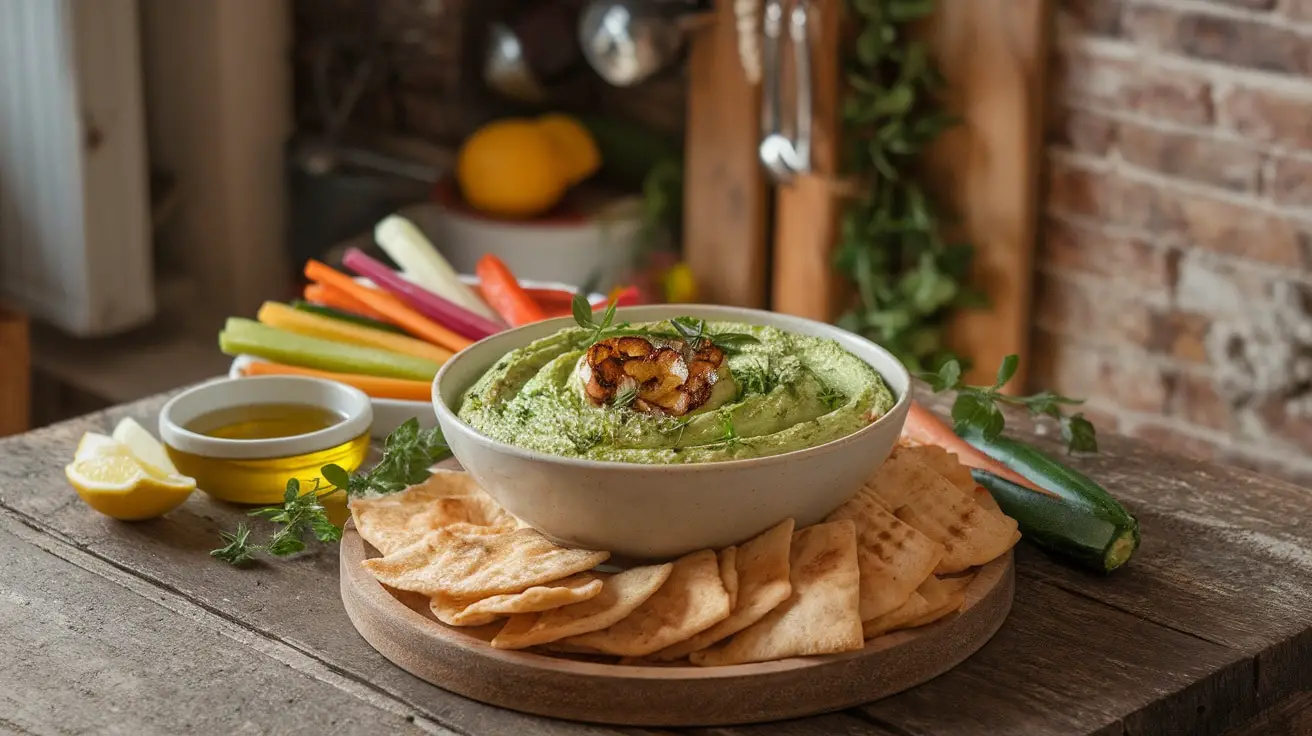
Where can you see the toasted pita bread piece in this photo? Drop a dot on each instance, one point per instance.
(728, 558)
(926, 501)
(934, 599)
(449, 497)
(620, 594)
(821, 616)
(692, 600)
(573, 589)
(761, 567)
(894, 559)
(950, 467)
(477, 566)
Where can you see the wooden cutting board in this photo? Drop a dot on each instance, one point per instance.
(400, 626)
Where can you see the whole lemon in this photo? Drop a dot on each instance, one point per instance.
(574, 144)
(511, 168)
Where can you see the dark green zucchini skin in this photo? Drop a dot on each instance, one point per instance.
(1076, 531)
(322, 311)
(1085, 523)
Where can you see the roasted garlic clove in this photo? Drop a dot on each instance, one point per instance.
(673, 378)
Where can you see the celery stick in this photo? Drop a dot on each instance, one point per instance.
(247, 337)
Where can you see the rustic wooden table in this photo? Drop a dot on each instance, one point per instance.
(134, 628)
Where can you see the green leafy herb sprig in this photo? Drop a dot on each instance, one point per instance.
(408, 453)
(688, 329)
(908, 278)
(976, 408)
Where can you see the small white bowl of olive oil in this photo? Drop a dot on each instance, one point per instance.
(243, 439)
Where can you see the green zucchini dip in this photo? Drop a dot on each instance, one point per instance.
(786, 392)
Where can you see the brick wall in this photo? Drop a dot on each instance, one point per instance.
(1175, 261)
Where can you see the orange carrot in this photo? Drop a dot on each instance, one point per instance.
(387, 305)
(503, 292)
(924, 427)
(379, 388)
(330, 297)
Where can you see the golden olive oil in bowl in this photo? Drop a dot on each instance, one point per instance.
(243, 439)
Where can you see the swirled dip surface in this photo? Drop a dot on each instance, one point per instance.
(786, 393)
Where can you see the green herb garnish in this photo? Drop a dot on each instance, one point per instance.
(976, 408)
(408, 454)
(832, 397)
(688, 329)
(624, 397)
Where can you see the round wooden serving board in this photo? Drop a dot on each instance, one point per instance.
(400, 626)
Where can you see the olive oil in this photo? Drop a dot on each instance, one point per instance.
(264, 421)
(263, 480)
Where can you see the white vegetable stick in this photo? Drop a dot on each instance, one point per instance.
(407, 246)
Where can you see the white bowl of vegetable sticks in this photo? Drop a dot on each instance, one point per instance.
(392, 413)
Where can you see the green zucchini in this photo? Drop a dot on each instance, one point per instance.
(1084, 522)
(322, 311)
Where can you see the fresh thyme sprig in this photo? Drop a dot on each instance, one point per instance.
(689, 329)
(976, 408)
(408, 453)
(299, 515)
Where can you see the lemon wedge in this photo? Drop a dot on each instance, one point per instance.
(145, 447)
(112, 479)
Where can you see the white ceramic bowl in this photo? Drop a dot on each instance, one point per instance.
(661, 511)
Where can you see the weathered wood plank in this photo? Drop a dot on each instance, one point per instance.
(84, 655)
(1064, 664)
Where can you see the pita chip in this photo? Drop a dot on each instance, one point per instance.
(728, 558)
(620, 594)
(925, 500)
(573, 589)
(935, 598)
(950, 467)
(821, 616)
(477, 566)
(894, 558)
(393, 521)
(692, 600)
(761, 567)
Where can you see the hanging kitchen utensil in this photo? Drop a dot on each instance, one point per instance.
(784, 156)
(531, 52)
(629, 41)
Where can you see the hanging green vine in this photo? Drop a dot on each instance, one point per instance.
(908, 278)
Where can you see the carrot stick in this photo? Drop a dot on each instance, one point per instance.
(330, 297)
(403, 316)
(924, 427)
(286, 318)
(503, 292)
(379, 388)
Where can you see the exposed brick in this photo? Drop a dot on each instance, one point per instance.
(1097, 314)
(1211, 286)
(1197, 157)
(1096, 79)
(1126, 380)
(1228, 227)
(1126, 260)
(1169, 438)
(1180, 335)
(1280, 421)
(1291, 184)
(1094, 17)
(1268, 115)
(1297, 9)
(1080, 130)
(1176, 215)
(1219, 38)
(1108, 196)
(1194, 398)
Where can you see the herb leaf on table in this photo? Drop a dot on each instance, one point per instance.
(978, 408)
